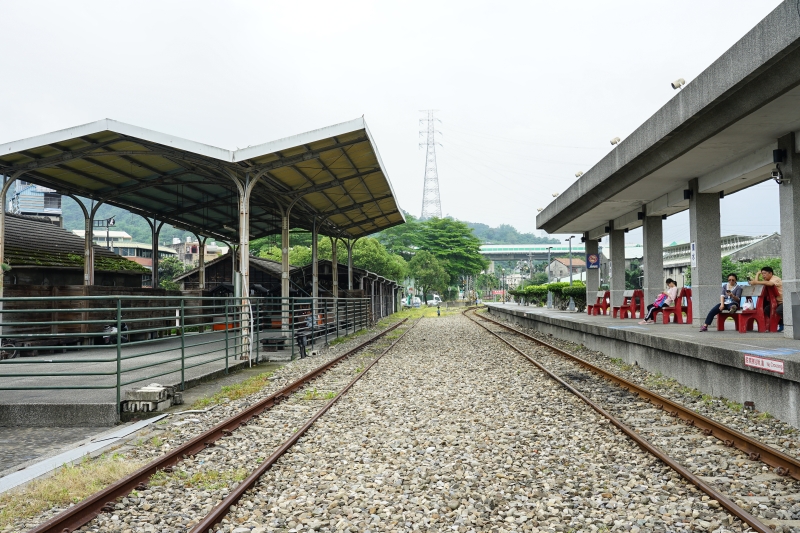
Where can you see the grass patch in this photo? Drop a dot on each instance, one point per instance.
(659, 380)
(206, 480)
(764, 416)
(71, 484)
(314, 394)
(427, 312)
(235, 391)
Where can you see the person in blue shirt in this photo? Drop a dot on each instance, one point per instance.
(729, 300)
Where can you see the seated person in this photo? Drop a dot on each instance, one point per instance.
(729, 300)
(767, 277)
(665, 299)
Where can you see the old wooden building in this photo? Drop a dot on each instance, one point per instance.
(41, 253)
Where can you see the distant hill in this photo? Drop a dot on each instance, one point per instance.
(125, 221)
(506, 234)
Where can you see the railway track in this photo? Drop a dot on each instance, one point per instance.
(274, 423)
(728, 466)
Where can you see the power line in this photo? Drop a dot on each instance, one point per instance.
(431, 202)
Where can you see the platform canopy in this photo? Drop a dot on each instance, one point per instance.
(333, 173)
(720, 129)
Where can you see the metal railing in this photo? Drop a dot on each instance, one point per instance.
(102, 342)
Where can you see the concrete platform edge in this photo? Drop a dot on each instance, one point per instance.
(712, 370)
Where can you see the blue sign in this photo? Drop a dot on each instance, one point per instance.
(592, 261)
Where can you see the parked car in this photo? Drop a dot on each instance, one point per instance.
(435, 301)
(415, 302)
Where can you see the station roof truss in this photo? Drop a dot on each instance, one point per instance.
(334, 175)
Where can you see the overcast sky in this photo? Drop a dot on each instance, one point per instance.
(528, 93)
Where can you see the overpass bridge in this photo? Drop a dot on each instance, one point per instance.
(536, 252)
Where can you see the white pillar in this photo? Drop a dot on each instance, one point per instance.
(704, 231)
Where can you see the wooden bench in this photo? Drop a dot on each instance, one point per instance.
(628, 307)
(601, 305)
(746, 320)
(677, 309)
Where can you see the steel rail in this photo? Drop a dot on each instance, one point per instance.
(82, 513)
(221, 510)
(713, 493)
(757, 451)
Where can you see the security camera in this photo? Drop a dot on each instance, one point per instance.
(555, 194)
(539, 209)
(677, 84)
(614, 141)
(578, 174)
(777, 175)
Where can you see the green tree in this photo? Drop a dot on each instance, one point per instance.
(170, 268)
(428, 273)
(487, 282)
(453, 244)
(402, 240)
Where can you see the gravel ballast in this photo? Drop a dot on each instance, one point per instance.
(452, 431)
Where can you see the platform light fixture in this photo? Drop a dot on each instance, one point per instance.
(664, 217)
(687, 194)
(721, 195)
(539, 209)
(677, 84)
(579, 173)
(555, 195)
(614, 141)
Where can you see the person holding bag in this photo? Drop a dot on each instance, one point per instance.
(729, 300)
(665, 299)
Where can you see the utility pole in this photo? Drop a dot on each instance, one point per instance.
(431, 203)
(548, 263)
(570, 257)
(530, 266)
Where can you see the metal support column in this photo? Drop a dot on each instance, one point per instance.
(314, 261)
(155, 231)
(350, 243)
(285, 311)
(201, 262)
(335, 266)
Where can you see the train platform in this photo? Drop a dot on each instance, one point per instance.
(763, 368)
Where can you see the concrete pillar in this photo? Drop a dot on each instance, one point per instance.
(789, 201)
(653, 257)
(491, 268)
(616, 241)
(704, 231)
(593, 274)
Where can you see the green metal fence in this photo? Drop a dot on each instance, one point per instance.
(99, 342)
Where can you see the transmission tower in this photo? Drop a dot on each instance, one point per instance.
(431, 204)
